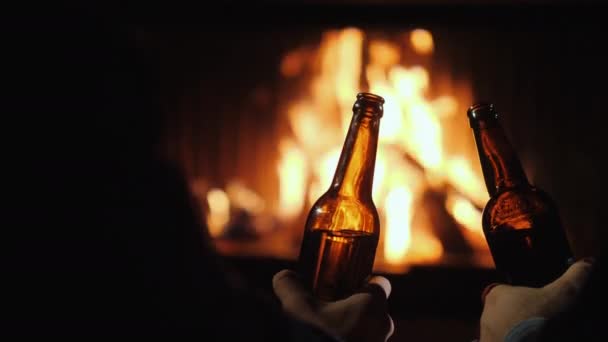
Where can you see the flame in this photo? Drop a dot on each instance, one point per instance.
(469, 217)
(242, 197)
(422, 41)
(292, 179)
(324, 173)
(461, 175)
(219, 211)
(392, 124)
(409, 83)
(398, 237)
(338, 79)
(383, 53)
(465, 213)
(445, 106)
(380, 172)
(426, 248)
(424, 140)
(409, 118)
(306, 122)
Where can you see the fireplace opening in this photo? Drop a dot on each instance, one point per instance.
(427, 182)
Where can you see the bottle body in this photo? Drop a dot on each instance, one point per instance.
(343, 227)
(525, 235)
(336, 260)
(520, 222)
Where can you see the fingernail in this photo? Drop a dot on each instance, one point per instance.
(391, 330)
(384, 283)
(487, 290)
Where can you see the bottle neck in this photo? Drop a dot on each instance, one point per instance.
(355, 172)
(499, 162)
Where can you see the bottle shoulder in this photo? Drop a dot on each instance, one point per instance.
(335, 212)
(518, 208)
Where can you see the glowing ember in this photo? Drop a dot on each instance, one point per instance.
(422, 41)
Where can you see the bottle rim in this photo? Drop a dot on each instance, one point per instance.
(482, 111)
(370, 97)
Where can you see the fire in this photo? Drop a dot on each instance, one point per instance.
(242, 197)
(398, 233)
(422, 41)
(461, 175)
(219, 211)
(292, 179)
(469, 217)
(411, 131)
(324, 173)
(464, 212)
(423, 145)
(425, 138)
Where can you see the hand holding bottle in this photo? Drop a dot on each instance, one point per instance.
(516, 310)
(362, 316)
(343, 227)
(521, 223)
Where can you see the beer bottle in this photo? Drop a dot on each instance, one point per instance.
(342, 228)
(520, 222)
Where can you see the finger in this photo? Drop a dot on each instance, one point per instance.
(487, 290)
(572, 281)
(290, 290)
(494, 290)
(391, 330)
(383, 283)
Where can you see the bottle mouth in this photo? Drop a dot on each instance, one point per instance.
(370, 104)
(370, 97)
(482, 111)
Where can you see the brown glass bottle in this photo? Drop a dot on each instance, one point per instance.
(520, 222)
(342, 228)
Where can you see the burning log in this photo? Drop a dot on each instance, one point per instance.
(445, 184)
(442, 223)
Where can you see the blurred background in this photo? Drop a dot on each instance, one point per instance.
(261, 97)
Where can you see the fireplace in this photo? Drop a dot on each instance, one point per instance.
(262, 117)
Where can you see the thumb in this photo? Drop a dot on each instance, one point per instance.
(291, 291)
(569, 285)
(381, 283)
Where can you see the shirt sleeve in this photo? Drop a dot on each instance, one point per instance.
(527, 330)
